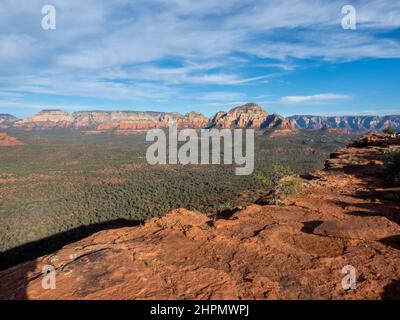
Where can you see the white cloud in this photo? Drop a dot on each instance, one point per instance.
(113, 49)
(316, 98)
(92, 87)
(363, 112)
(221, 96)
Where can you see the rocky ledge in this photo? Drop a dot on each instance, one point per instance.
(295, 249)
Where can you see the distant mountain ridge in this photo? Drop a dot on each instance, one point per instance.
(353, 123)
(250, 115)
(6, 120)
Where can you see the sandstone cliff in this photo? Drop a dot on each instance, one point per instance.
(250, 115)
(108, 120)
(46, 119)
(293, 248)
(278, 122)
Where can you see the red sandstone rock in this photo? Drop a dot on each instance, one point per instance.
(364, 228)
(6, 140)
(250, 115)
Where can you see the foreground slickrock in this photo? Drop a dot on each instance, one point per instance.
(295, 250)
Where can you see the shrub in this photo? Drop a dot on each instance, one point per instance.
(290, 187)
(390, 131)
(263, 178)
(280, 171)
(361, 142)
(392, 173)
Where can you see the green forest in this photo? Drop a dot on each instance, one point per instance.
(60, 180)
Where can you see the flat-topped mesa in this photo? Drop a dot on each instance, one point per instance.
(126, 121)
(46, 119)
(250, 115)
(109, 120)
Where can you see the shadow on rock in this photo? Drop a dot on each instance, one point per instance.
(309, 226)
(36, 249)
(392, 291)
(15, 281)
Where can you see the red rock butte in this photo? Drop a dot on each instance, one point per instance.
(6, 140)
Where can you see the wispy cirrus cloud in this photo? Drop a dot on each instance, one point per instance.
(221, 96)
(157, 50)
(313, 99)
(93, 35)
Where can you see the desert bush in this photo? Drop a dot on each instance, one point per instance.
(290, 187)
(263, 178)
(280, 171)
(360, 143)
(390, 131)
(392, 174)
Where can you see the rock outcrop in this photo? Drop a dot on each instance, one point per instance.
(194, 120)
(361, 228)
(250, 115)
(294, 250)
(287, 124)
(273, 121)
(7, 121)
(6, 140)
(278, 126)
(326, 129)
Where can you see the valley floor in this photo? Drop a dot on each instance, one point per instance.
(294, 250)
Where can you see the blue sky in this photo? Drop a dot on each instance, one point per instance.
(292, 57)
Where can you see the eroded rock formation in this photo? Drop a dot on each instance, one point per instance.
(46, 119)
(108, 120)
(250, 115)
(6, 140)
